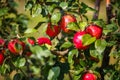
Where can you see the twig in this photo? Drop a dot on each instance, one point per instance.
(61, 53)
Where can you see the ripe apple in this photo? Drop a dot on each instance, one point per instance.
(77, 40)
(2, 41)
(65, 20)
(52, 31)
(31, 41)
(43, 40)
(15, 46)
(1, 58)
(94, 30)
(89, 76)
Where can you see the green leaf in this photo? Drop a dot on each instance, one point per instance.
(71, 54)
(100, 45)
(20, 62)
(55, 18)
(82, 25)
(17, 76)
(53, 73)
(73, 26)
(29, 5)
(88, 39)
(36, 10)
(30, 30)
(64, 5)
(66, 44)
(3, 11)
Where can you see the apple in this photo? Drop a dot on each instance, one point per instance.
(15, 46)
(52, 31)
(28, 53)
(31, 41)
(94, 30)
(2, 41)
(1, 58)
(77, 40)
(43, 40)
(89, 76)
(65, 20)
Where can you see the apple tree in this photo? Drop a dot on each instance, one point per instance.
(72, 46)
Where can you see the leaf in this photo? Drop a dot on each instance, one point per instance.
(73, 26)
(40, 52)
(55, 18)
(82, 25)
(53, 73)
(36, 10)
(71, 54)
(100, 45)
(3, 11)
(17, 76)
(30, 30)
(88, 39)
(20, 62)
(66, 44)
(64, 5)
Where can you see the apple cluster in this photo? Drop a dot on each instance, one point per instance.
(92, 29)
(19, 47)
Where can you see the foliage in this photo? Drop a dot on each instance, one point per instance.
(61, 58)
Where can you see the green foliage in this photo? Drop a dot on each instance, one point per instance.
(60, 59)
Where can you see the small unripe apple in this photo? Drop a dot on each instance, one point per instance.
(15, 46)
(1, 58)
(43, 40)
(94, 30)
(89, 76)
(52, 31)
(65, 20)
(77, 40)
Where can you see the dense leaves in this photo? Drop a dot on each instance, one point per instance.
(54, 55)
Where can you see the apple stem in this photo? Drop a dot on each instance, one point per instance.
(97, 8)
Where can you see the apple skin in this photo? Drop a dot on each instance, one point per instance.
(77, 40)
(94, 30)
(31, 41)
(52, 31)
(2, 41)
(89, 76)
(1, 58)
(65, 20)
(43, 40)
(12, 46)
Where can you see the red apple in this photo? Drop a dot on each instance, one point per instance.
(31, 41)
(28, 53)
(89, 76)
(15, 46)
(43, 40)
(94, 30)
(2, 41)
(1, 58)
(52, 31)
(65, 20)
(77, 40)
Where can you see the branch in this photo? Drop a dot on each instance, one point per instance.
(61, 53)
(97, 8)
